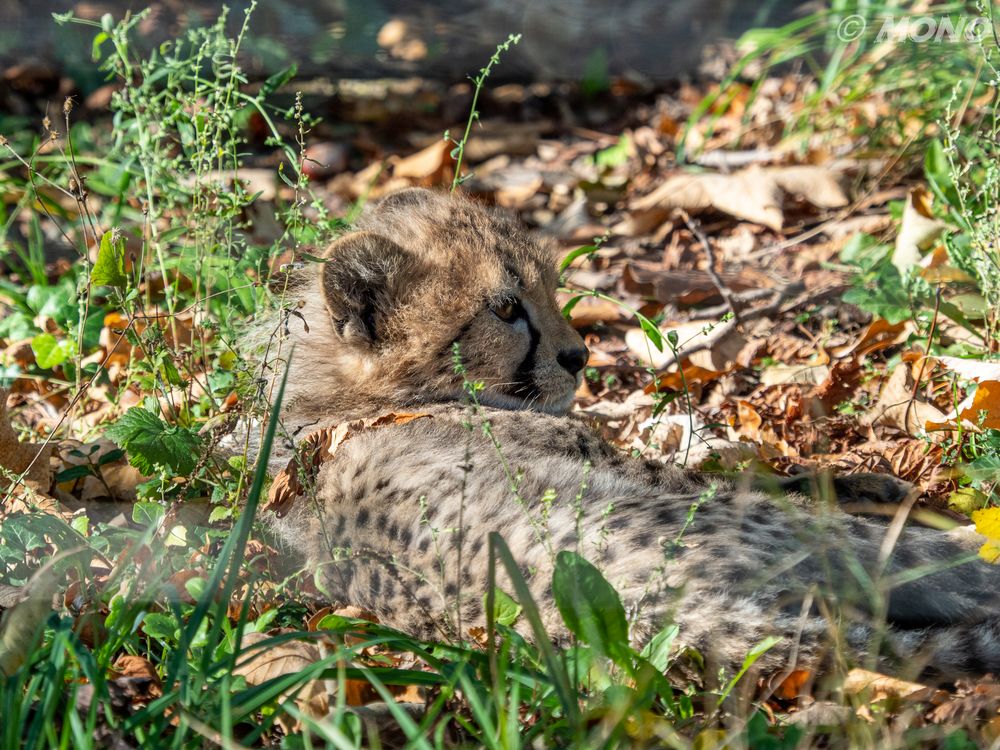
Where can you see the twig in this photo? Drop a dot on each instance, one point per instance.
(750, 295)
(729, 160)
(724, 291)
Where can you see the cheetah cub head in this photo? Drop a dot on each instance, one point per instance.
(424, 271)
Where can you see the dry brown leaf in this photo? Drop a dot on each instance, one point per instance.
(750, 424)
(511, 186)
(937, 268)
(290, 657)
(983, 697)
(877, 336)
(17, 457)
(750, 420)
(117, 348)
(743, 195)
(177, 330)
(718, 346)
(138, 685)
(426, 167)
(639, 223)
(356, 613)
(972, 369)
(314, 450)
(504, 137)
(590, 311)
(918, 229)
(842, 380)
(882, 686)
(264, 664)
(817, 185)
(787, 349)
(984, 403)
(120, 477)
(685, 378)
(790, 688)
(984, 410)
(18, 353)
(805, 374)
(129, 665)
(991, 730)
(22, 623)
(844, 229)
(754, 194)
(897, 408)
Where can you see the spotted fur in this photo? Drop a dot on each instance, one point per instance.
(400, 519)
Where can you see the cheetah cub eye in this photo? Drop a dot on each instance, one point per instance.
(508, 311)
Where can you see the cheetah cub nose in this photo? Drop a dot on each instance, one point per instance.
(573, 360)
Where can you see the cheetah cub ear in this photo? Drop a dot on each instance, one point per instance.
(362, 282)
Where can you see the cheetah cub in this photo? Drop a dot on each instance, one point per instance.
(399, 518)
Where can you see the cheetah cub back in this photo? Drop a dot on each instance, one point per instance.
(401, 514)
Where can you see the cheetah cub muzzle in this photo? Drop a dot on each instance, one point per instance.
(401, 514)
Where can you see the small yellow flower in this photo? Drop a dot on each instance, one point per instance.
(987, 523)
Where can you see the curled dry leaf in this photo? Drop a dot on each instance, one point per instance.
(786, 349)
(138, 667)
(917, 231)
(770, 421)
(684, 378)
(881, 686)
(938, 269)
(880, 334)
(687, 436)
(317, 448)
(843, 378)
(980, 699)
